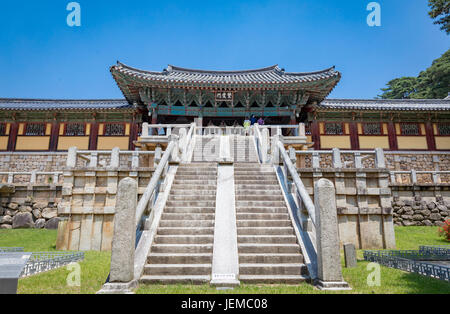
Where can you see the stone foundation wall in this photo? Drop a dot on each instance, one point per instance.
(28, 215)
(421, 205)
(30, 207)
(27, 162)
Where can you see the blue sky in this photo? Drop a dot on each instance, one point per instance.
(41, 57)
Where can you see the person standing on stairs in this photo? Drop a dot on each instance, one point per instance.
(247, 125)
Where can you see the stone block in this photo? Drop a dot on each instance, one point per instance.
(350, 255)
(23, 221)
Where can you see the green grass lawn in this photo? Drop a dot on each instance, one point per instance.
(95, 268)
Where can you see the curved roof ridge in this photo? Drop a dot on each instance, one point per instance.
(61, 100)
(311, 73)
(123, 65)
(383, 100)
(180, 69)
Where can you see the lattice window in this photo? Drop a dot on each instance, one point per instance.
(410, 129)
(372, 129)
(334, 129)
(444, 129)
(75, 129)
(114, 129)
(2, 129)
(35, 129)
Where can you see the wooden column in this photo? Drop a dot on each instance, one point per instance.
(392, 136)
(13, 136)
(133, 133)
(154, 121)
(93, 137)
(315, 134)
(354, 137)
(54, 136)
(431, 143)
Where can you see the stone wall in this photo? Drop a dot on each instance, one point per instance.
(27, 162)
(421, 205)
(29, 214)
(363, 200)
(29, 206)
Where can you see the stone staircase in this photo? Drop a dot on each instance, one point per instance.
(242, 148)
(268, 248)
(183, 247)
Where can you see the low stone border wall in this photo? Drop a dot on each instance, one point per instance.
(411, 261)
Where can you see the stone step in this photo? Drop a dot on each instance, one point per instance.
(257, 187)
(272, 269)
(264, 223)
(202, 165)
(263, 216)
(259, 203)
(197, 171)
(265, 231)
(270, 258)
(239, 166)
(259, 191)
(255, 173)
(185, 231)
(198, 197)
(184, 239)
(268, 178)
(190, 210)
(275, 239)
(193, 258)
(177, 269)
(182, 248)
(252, 197)
(177, 186)
(257, 210)
(182, 279)
(259, 182)
(201, 193)
(186, 223)
(272, 279)
(186, 216)
(192, 183)
(198, 203)
(195, 177)
(247, 248)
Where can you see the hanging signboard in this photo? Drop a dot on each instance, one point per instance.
(224, 96)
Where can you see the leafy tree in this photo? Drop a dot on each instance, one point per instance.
(400, 88)
(433, 83)
(440, 10)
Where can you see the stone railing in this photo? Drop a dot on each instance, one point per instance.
(31, 178)
(89, 191)
(133, 224)
(315, 224)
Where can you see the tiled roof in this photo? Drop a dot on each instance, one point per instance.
(386, 104)
(269, 75)
(52, 104)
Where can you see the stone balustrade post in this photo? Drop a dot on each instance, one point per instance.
(71, 157)
(380, 161)
(301, 130)
(93, 160)
(329, 269)
(315, 160)
(115, 157)
(337, 162)
(123, 244)
(135, 160)
(145, 130)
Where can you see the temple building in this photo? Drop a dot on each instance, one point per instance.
(179, 95)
